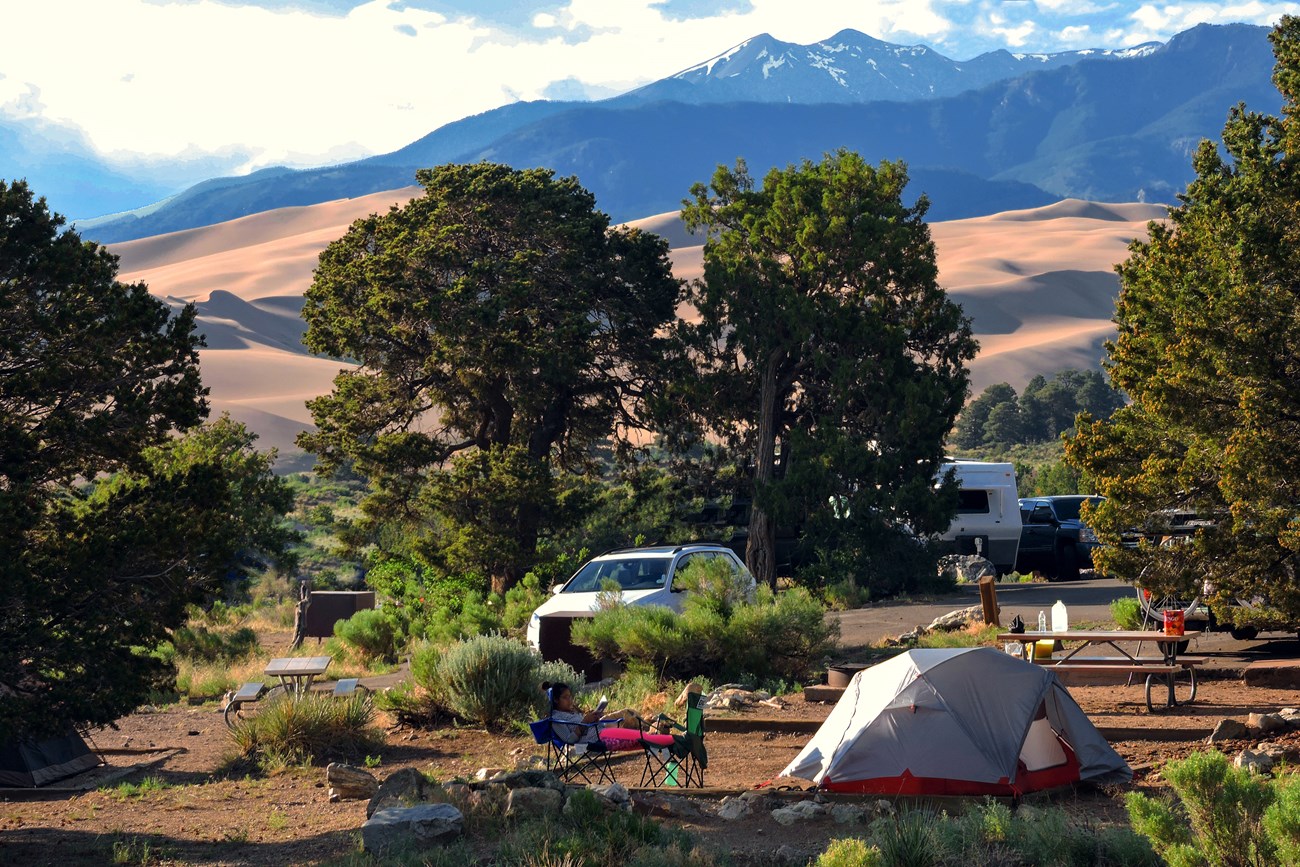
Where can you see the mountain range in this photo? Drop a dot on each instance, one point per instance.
(849, 67)
(1115, 127)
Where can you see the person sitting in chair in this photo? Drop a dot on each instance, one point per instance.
(570, 723)
(573, 725)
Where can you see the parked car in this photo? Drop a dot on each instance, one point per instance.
(645, 576)
(1053, 538)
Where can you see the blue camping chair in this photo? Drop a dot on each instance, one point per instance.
(573, 761)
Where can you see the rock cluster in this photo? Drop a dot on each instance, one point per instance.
(735, 696)
(788, 813)
(950, 622)
(1263, 755)
(408, 810)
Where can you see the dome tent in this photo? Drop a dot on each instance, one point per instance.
(37, 763)
(963, 721)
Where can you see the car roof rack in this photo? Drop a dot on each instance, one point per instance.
(681, 546)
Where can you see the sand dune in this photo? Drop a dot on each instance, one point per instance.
(1039, 286)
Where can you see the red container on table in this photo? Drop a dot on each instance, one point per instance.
(1173, 622)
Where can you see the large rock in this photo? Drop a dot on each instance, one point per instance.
(400, 789)
(613, 795)
(1277, 752)
(849, 814)
(348, 783)
(1255, 762)
(732, 809)
(525, 779)
(532, 802)
(798, 812)
(1267, 722)
(421, 826)
(955, 619)
(1229, 730)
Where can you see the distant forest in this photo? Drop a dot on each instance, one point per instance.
(999, 418)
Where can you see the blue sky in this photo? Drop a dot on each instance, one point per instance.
(307, 82)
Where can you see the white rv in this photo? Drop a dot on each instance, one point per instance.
(988, 513)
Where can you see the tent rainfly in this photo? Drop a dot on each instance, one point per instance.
(963, 721)
(38, 763)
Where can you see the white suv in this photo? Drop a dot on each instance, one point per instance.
(645, 576)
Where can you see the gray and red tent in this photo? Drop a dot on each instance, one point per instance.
(963, 721)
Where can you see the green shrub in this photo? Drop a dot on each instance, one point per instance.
(775, 637)
(472, 616)
(990, 833)
(1126, 612)
(207, 645)
(845, 595)
(520, 602)
(782, 637)
(488, 679)
(715, 584)
(373, 632)
(1282, 819)
(849, 852)
(1218, 817)
(308, 728)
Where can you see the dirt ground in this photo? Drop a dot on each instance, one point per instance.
(207, 817)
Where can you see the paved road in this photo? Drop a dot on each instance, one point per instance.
(1087, 600)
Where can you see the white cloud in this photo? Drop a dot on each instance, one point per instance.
(156, 77)
(1073, 7)
(1078, 35)
(1152, 21)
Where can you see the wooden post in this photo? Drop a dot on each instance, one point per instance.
(989, 599)
(300, 614)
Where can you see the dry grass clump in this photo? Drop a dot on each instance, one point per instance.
(294, 730)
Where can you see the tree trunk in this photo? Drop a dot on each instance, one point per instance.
(760, 550)
(529, 523)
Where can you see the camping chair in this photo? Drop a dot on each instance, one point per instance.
(573, 761)
(683, 763)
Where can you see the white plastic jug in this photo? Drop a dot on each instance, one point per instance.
(1060, 617)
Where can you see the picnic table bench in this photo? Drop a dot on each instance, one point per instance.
(1164, 669)
(298, 672)
(295, 673)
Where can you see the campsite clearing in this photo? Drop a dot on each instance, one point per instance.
(202, 814)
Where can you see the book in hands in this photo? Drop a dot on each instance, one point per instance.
(604, 702)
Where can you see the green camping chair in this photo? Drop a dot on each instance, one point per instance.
(684, 762)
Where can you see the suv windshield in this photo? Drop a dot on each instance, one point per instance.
(638, 573)
(1068, 509)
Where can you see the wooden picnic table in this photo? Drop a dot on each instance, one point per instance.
(1162, 669)
(298, 672)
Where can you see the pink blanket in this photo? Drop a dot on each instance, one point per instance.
(618, 739)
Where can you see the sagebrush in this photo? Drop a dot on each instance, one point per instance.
(490, 680)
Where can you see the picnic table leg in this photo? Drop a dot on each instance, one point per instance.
(1169, 683)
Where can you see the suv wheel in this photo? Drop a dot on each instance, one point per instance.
(1067, 563)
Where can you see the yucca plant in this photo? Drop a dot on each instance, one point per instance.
(309, 728)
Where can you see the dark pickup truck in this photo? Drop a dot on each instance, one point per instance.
(1053, 540)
